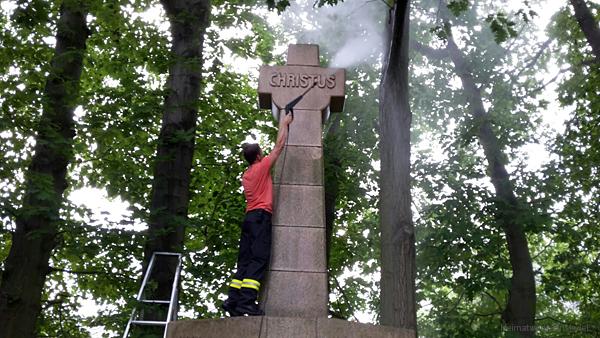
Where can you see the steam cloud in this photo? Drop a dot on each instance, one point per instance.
(351, 31)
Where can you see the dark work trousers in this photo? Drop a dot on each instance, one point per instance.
(253, 257)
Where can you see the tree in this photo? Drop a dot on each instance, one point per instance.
(398, 269)
(588, 25)
(118, 136)
(512, 215)
(27, 264)
(570, 265)
(463, 268)
(175, 150)
(520, 308)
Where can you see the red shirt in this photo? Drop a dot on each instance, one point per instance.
(258, 185)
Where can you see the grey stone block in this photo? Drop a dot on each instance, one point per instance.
(215, 328)
(300, 165)
(280, 327)
(303, 54)
(306, 129)
(298, 249)
(299, 205)
(337, 328)
(295, 294)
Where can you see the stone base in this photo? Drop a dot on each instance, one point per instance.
(281, 327)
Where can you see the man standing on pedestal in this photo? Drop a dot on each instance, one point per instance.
(255, 241)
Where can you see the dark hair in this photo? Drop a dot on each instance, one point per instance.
(250, 151)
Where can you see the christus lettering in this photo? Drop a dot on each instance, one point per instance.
(291, 80)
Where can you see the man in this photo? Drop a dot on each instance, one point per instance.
(255, 242)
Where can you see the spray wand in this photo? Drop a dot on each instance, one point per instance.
(289, 108)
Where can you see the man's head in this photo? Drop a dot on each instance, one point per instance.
(251, 152)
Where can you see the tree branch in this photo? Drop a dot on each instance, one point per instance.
(86, 272)
(535, 58)
(462, 294)
(79, 272)
(487, 314)
(90, 228)
(495, 300)
(543, 86)
(513, 43)
(437, 13)
(437, 54)
(544, 249)
(337, 286)
(51, 302)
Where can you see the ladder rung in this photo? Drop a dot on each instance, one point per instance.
(147, 322)
(150, 301)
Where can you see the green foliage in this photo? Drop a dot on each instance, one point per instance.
(501, 26)
(571, 258)
(117, 128)
(458, 6)
(32, 13)
(279, 5)
(463, 267)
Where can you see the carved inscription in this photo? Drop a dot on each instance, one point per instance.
(292, 80)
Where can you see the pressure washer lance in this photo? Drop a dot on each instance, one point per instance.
(289, 108)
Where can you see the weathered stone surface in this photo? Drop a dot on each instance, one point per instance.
(295, 294)
(281, 327)
(298, 249)
(298, 205)
(307, 129)
(215, 328)
(282, 84)
(337, 328)
(303, 165)
(303, 55)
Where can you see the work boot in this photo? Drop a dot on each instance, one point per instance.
(231, 308)
(249, 309)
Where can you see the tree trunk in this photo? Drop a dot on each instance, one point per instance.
(519, 313)
(588, 25)
(398, 272)
(173, 164)
(34, 239)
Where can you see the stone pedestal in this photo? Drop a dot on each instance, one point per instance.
(281, 327)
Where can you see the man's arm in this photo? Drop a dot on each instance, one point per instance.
(281, 138)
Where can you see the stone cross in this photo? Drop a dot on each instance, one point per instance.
(296, 284)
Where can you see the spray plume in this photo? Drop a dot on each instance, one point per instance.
(349, 33)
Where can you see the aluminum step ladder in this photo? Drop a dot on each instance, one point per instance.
(172, 312)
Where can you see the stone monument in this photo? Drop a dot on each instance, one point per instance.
(296, 284)
(294, 295)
